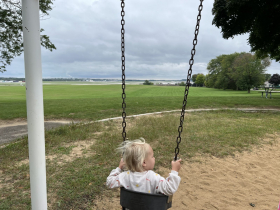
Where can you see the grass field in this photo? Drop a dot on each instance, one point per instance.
(93, 102)
(80, 157)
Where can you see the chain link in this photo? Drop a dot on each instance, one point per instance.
(191, 62)
(123, 71)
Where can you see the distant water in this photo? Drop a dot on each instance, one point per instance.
(117, 82)
(105, 82)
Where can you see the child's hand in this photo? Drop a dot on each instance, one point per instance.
(122, 164)
(176, 165)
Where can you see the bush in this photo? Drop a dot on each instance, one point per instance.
(182, 84)
(147, 82)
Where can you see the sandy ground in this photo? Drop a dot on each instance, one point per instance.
(250, 180)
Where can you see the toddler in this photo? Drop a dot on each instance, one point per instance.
(138, 158)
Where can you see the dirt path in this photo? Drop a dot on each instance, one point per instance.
(13, 129)
(250, 180)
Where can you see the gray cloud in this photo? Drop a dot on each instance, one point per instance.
(158, 37)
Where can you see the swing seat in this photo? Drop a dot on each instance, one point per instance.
(133, 200)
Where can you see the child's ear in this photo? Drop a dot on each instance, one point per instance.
(144, 164)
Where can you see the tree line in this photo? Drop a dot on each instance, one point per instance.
(237, 71)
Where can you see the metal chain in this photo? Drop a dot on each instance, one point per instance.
(191, 62)
(123, 71)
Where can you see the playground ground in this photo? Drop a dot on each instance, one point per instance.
(243, 181)
(249, 180)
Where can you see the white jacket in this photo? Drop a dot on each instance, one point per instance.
(146, 182)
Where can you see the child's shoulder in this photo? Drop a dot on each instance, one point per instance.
(152, 173)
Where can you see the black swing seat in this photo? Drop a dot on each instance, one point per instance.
(133, 200)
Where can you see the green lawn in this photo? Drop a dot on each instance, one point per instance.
(92, 102)
(76, 182)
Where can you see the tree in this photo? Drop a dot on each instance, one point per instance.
(194, 77)
(200, 79)
(216, 77)
(206, 82)
(275, 79)
(147, 82)
(250, 71)
(228, 72)
(267, 76)
(258, 18)
(11, 36)
(236, 71)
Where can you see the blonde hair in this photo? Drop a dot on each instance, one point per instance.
(134, 153)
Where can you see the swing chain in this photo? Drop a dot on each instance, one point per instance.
(191, 62)
(123, 70)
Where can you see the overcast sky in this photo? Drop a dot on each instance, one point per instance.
(158, 40)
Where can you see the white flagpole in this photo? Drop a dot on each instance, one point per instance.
(34, 102)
